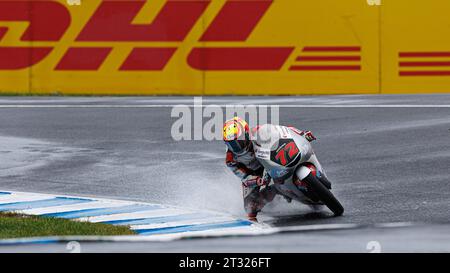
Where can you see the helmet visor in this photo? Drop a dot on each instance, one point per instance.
(237, 146)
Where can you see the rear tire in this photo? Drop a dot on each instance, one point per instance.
(324, 195)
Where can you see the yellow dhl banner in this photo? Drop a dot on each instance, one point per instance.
(220, 47)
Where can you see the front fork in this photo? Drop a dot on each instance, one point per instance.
(306, 169)
(295, 188)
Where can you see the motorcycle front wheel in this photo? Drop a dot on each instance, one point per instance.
(324, 194)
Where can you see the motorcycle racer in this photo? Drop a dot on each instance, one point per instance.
(241, 160)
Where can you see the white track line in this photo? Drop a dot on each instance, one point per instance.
(55, 106)
(395, 225)
(316, 227)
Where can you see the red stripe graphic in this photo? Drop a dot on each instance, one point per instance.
(239, 58)
(21, 57)
(325, 67)
(435, 63)
(423, 54)
(82, 58)
(328, 58)
(236, 20)
(148, 59)
(409, 64)
(331, 48)
(424, 73)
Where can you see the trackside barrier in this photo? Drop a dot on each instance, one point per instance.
(224, 47)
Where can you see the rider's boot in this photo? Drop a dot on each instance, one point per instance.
(252, 217)
(257, 199)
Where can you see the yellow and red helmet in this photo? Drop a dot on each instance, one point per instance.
(236, 134)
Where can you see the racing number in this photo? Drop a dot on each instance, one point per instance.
(287, 154)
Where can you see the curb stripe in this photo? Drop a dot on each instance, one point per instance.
(209, 220)
(57, 201)
(102, 211)
(14, 198)
(186, 228)
(158, 220)
(236, 231)
(29, 241)
(163, 211)
(73, 207)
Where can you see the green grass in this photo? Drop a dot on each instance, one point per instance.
(17, 226)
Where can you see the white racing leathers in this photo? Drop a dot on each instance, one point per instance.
(256, 172)
(288, 157)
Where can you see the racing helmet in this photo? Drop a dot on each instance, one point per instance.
(236, 134)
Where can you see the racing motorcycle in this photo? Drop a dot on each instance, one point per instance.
(290, 161)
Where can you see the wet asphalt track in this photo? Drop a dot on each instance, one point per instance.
(387, 164)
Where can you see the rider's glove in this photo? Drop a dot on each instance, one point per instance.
(253, 181)
(309, 136)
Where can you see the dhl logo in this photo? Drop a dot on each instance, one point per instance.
(112, 22)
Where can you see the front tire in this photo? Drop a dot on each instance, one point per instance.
(324, 195)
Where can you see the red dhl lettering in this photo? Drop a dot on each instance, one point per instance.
(112, 22)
